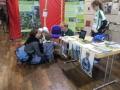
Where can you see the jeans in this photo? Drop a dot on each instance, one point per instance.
(43, 60)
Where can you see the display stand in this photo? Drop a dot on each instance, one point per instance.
(107, 80)
(106, 71)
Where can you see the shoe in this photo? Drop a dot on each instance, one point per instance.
(95, 62)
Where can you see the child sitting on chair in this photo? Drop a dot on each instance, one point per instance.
(49, 48)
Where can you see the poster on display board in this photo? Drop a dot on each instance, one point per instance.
(74, 51)
(115, 4)
(119, 9)
(87, 59)
(74, 14)
(29, 16)
(107, 6)
(111, 6)
(64, 48)
(115, 7)
(70, 49)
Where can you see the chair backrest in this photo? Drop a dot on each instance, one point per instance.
(56, 29)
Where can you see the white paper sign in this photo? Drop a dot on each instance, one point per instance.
(45, 12)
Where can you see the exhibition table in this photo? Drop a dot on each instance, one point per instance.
(107, 54)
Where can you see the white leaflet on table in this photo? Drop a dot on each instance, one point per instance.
(118, 45)
(78, 43)
(88, 46)
(68, 38)
(99, 48)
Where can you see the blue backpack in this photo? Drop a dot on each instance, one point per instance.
(21, 54)
(99, 38)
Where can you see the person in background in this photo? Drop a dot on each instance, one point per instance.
(99, 21)
(32, 46)
(99, 18)
(3, 19)
(65, 30)
(49, 48)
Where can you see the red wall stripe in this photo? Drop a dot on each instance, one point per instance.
(14, 19)
(54, 12)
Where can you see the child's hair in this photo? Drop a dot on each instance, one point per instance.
(96, 3)
(48, 36)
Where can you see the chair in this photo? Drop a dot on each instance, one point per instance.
(55, 31)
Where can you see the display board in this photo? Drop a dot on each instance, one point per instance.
(29, 16)
(112, 15)
(74, 14)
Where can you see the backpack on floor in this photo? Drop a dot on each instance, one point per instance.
(21, 54)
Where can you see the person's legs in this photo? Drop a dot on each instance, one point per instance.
(50, 58)
(41, 47)
(92, 33)
(3, 25)
(43, 60)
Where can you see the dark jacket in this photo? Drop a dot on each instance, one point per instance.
(32, 46)
(3, 17)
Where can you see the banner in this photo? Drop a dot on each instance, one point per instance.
(14, 20)
(74, 15)
(29, 17)
(87, 59)
(55, 11)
